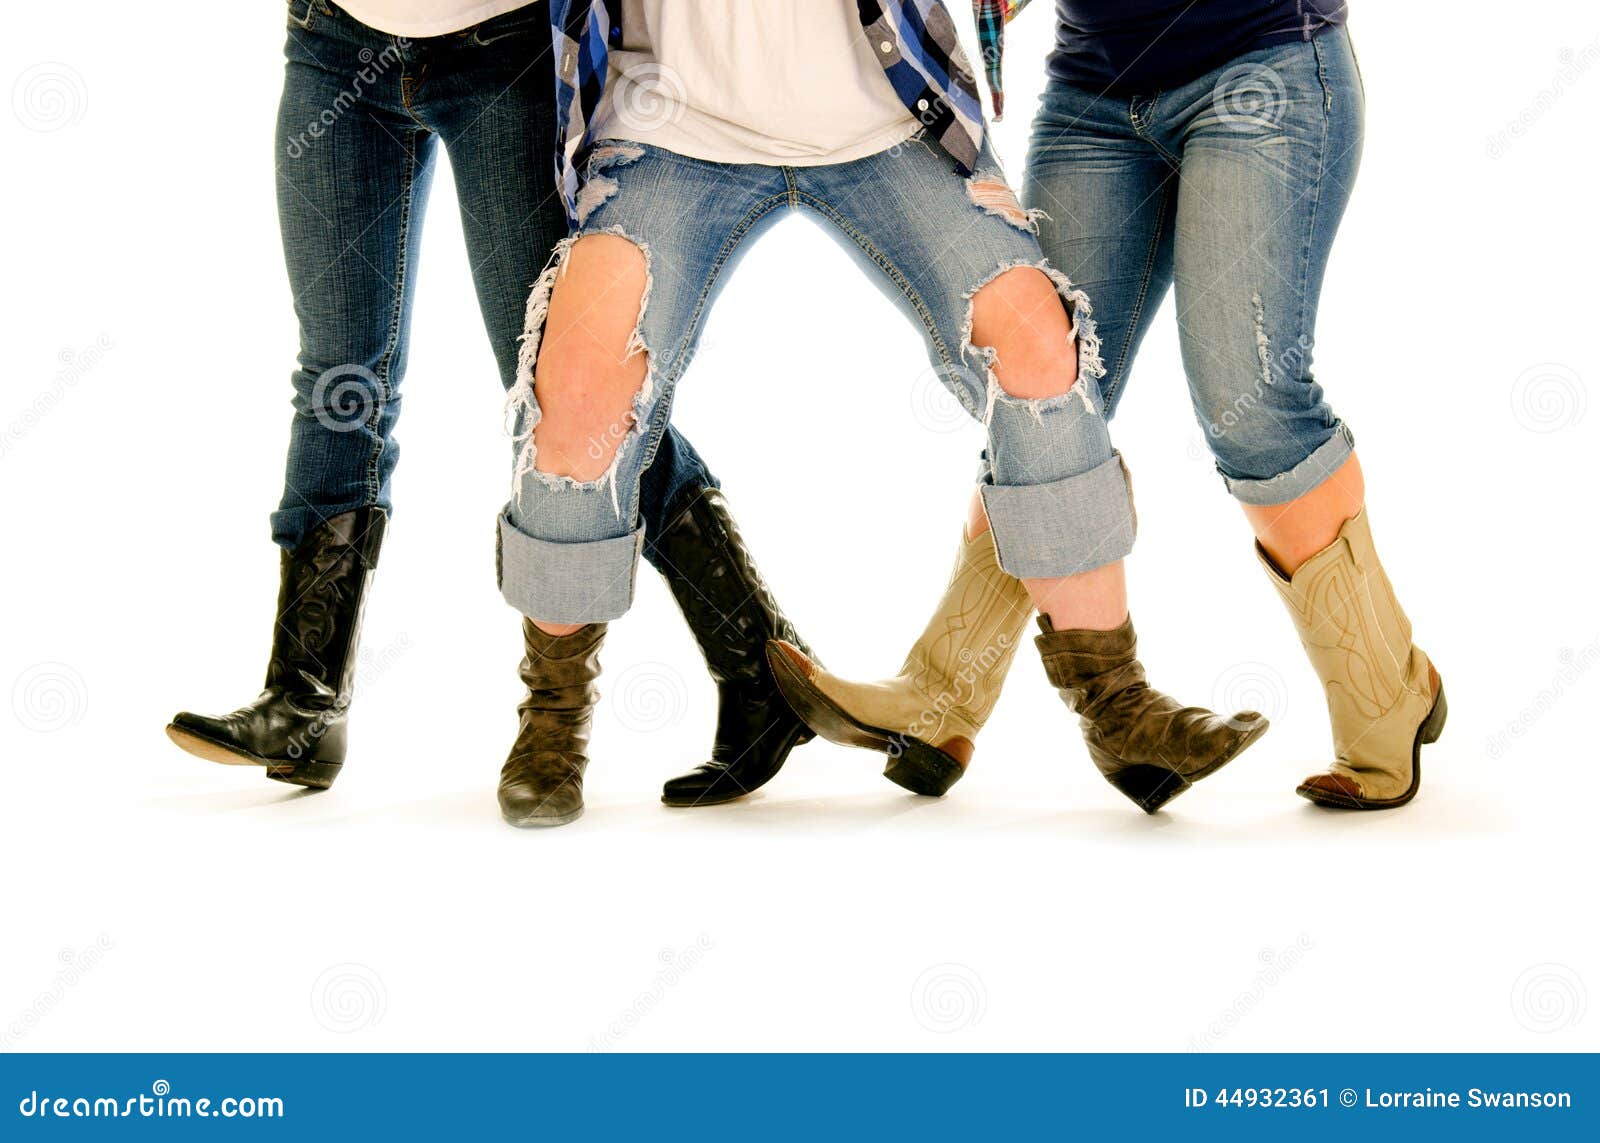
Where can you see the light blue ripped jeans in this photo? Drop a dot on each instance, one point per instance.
(1229, 188)
(1056, 494)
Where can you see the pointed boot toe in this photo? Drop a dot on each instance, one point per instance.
(1145, 743)
(1329, 789)
(214, 739)
(705, 785)
(1227, 739)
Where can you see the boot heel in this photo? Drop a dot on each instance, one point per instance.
(311, 775)
(921, 768)
(1149, 787)
(1433, 725)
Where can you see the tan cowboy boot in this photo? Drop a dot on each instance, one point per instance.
(542, 781)
(1385, 698)
(926, 717)
(1146, 744)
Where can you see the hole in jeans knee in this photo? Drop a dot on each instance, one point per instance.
(1010, 296)
(564, 439)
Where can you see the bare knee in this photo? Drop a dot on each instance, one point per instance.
(590, 366)
(1020, 315)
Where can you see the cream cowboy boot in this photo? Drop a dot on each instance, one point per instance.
(1385, 698)
(926, 717)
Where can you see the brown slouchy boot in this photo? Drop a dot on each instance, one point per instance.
(541, 783)
(926, 717)
(1145, 743)
(1385, 698)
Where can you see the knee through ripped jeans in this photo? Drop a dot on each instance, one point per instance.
(1055, 491)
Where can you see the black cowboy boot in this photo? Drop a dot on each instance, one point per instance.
(296, 727)
(541, 783)
(732, 615)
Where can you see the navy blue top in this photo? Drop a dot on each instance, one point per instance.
(1140, 46)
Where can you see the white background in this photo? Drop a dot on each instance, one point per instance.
(158, 902)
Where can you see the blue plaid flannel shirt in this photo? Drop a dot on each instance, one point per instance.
(915, 40)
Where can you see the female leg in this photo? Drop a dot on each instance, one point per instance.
(1236, 196)
(615, 318)
(353, 191)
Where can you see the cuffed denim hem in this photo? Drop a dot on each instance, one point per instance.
(1045, 531)
(1328, 458)
(590, 582)
(291, 526)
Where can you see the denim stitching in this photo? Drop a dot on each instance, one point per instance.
(1355, 58)
(1322, 77)
(408, 88)
(1125, 355)
(386, 362)
(1138, 126)
(1316, 203)
(309, 20)
(313, 9)
(670, 379)
(889, 268)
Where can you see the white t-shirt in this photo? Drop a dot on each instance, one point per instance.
(779, 82)
(418, 19)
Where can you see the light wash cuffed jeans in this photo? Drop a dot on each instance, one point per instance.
(1056, 494)
(1230, 188)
